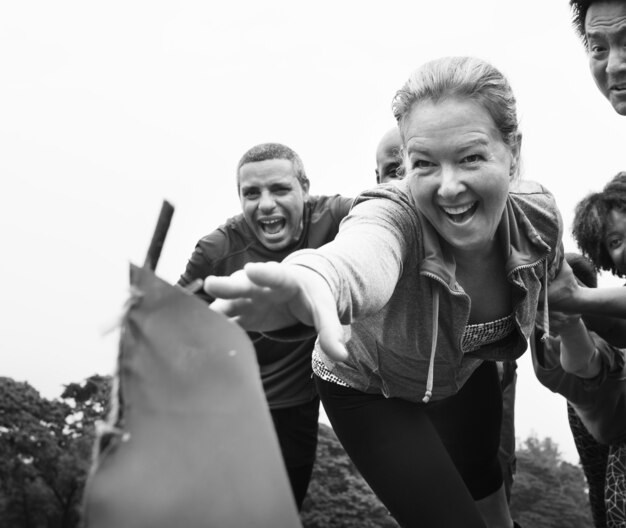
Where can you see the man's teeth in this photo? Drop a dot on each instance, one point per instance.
(272, 226)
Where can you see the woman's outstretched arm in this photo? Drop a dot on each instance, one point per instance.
(269, 296)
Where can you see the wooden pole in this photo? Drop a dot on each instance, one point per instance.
(158, 237)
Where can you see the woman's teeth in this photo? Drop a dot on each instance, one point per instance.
(460, 213)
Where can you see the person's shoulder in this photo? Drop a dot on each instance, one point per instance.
(327, 211)
(396, 192)
(389, 204)
(232, 234)
(537, 203)
(335, 203)
(538, 214)
(528, 187)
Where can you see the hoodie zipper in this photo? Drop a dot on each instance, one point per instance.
(435, 331)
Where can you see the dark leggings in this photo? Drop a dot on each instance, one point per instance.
(593, 458)
(469, 424)
(299, 478)
(417, 473)
(296, 429)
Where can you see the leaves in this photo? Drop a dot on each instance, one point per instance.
(548, 493)
(45, 448)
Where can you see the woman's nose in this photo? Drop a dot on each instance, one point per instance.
(451, 185)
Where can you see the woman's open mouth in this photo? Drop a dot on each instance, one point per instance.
(460, 213)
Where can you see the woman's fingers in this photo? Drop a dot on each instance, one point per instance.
(323, 309)
(270, 295)
(230, 287)
(279, 282)
(258, 298)
(331, 337)
(232, 309)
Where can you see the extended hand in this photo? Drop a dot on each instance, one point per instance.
(559, 321)
(269, 296)
(563, 290)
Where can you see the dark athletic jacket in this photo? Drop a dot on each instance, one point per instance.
(285, 366)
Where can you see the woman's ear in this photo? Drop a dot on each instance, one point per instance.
(516, 149)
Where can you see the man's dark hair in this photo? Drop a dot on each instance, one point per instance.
(579, 12)
(590, 218)
(271, 151)
(583, 269)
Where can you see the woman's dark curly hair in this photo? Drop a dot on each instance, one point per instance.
(590, 218)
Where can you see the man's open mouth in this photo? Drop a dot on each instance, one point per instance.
(272, 226)
(460, 213)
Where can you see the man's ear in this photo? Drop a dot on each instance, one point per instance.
(377, 176)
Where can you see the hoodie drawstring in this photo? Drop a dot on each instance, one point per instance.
(546, 313)
(431, 366)
(433, 347)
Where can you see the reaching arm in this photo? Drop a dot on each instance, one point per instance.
(611, 329)
(347, 279)
(566, 295)
(269, 296)
(579, 355)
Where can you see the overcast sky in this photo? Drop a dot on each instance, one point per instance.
(108, 108)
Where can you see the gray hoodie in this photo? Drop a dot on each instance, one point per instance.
(403, 311)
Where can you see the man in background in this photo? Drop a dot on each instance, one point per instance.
(601, 25)
(278, 217)
(389, 165)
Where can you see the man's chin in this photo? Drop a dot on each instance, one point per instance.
(620, 108)
(273, 243)
(619, 104)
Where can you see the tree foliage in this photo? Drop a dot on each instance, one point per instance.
(548, 492)
(45, 451)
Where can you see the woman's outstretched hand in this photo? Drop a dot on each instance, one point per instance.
(269, 296)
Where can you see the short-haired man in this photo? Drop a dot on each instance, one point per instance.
(278, 217)
(601, 24)
(389, 164)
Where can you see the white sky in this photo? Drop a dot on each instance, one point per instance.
(108, 108)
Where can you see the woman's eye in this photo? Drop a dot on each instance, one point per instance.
(613, 243)
(473, 158)
(422, 164)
